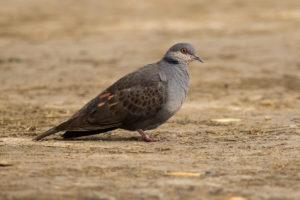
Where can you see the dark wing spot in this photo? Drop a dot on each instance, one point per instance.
(125, 103)
(122, 98)
(130, 106)
(134, 109)
(117, 112)
(153, 100)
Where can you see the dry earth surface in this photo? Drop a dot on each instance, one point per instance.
(57, 55)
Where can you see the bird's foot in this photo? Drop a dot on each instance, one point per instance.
(146, 138)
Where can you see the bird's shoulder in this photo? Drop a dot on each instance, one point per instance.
(144, 76)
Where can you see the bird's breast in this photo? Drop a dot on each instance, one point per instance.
(177, 91)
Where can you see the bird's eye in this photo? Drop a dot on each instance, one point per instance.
(183, 50)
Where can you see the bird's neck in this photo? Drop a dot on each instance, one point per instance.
(174, 61)
(170, 60)
(178, 73)
(174, 64)
(178, 83)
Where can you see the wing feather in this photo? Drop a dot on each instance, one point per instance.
(140, 94)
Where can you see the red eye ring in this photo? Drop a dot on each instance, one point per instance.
(183, 50)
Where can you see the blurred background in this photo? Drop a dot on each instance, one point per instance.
(56, 55)
(79, 43)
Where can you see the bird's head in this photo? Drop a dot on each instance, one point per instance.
(182, 53)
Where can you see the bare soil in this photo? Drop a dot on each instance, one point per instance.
(57, 55)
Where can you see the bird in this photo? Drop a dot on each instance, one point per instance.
(139, 101)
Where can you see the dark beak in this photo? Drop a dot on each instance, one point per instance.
(198, 58)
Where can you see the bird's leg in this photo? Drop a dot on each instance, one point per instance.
(145, 137)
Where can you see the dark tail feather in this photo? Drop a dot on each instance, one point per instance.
(74, 134)
(46, 133)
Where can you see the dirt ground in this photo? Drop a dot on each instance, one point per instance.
(57, 55)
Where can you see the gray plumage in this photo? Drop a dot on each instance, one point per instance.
(141, 100)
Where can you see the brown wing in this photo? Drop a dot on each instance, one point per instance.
(138, 95)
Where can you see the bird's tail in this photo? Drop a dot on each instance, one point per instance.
(46, 133)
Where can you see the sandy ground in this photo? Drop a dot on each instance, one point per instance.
(57, 55)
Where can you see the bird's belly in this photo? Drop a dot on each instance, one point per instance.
(170, 108)
(176, 97)
(164, 114)
(173, 106)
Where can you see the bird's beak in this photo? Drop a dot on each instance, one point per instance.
(198, 58)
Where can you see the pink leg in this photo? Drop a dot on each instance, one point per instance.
(145, 137)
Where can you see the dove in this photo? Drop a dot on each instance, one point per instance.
(139, 101)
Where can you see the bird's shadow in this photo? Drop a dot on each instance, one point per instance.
(106, 139)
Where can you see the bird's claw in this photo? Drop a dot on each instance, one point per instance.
(149, 139)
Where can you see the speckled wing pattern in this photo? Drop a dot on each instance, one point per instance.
(137, 96)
